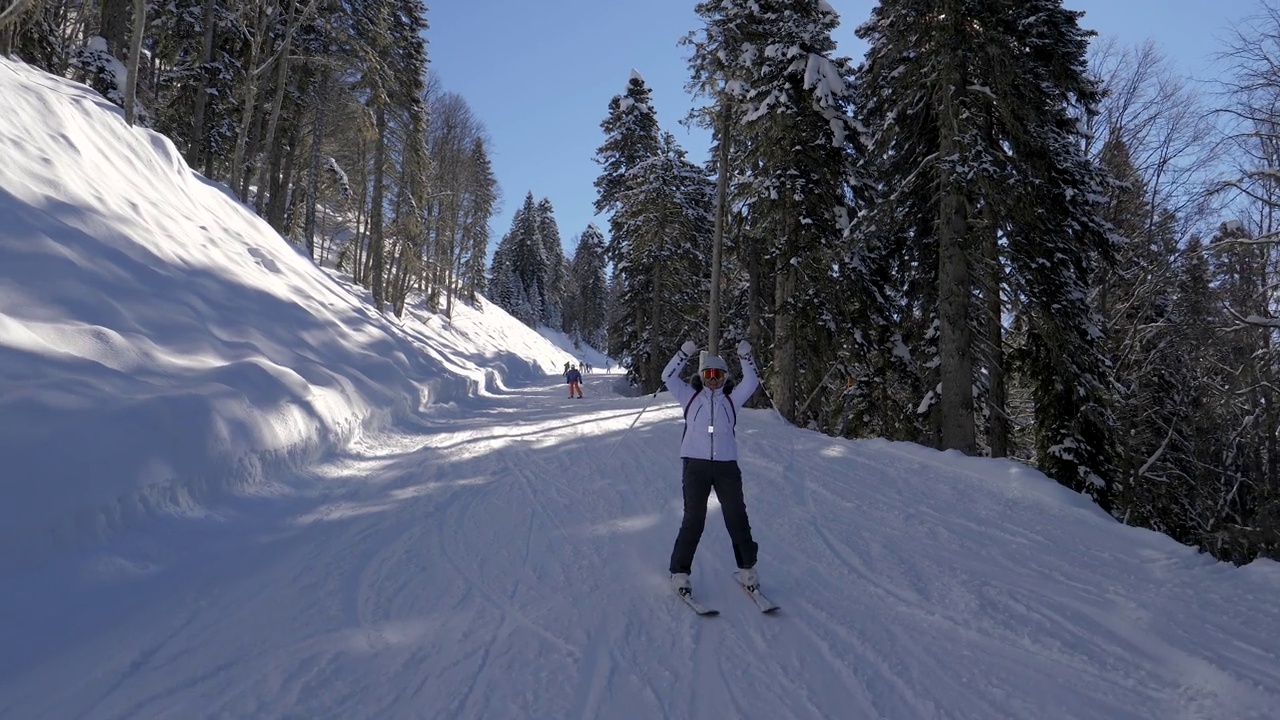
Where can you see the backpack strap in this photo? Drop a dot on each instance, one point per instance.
(686, 413)
(697, 392)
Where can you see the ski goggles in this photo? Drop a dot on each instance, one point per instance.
(712, 374)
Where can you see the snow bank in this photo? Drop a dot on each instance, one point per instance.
(159, 342)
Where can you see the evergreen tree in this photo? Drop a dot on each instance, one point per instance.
(586, 305)
(665, 213)
(1245, 517)
(481, 199)
(631, 137)
(556, 273)
(1058, 241)
(1179, 490)
(521, 271)
(788, 121)
(505, 289)
(659, 223)
(971, 112)
(893, 386)
(1135, 299)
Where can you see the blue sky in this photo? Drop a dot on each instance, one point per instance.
(540, 75)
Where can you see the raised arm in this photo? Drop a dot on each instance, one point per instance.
(750, 378)
(680, 389)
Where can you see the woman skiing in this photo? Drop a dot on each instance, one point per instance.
(709, 452)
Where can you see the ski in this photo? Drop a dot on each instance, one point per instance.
(698, 607)
(765, 604)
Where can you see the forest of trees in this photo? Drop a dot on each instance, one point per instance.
(995, 233)
(532, 279)
(318, 113)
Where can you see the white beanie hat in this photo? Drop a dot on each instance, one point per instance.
(709, 361)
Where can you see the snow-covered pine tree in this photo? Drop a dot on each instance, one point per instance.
(894, 386)
(665, 214)
(555, 277)
(932, 159)
(505, 289)
(1243, 269)
(971, 117)
(1135, 299)
(788, 122)
(1057, 238)
(481, 193)
(586, 315)
(632, 136)
(528, 263)
(637, 159)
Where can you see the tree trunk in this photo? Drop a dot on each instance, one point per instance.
(755, 323)
(397, 276)
(783, 372)
(655, 312)
(358, 273)
(955, 338)
(955, 283)
(255, 134)
(279, 210)
(114, 26)
(313, 173)
(376, 249)
(135, 56)
(249, 101)
(282, 72)
(717, 241)
(454, 287)
(451, 248)
(997, 393)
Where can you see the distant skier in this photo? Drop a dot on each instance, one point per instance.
(709, 452)
(574, 378)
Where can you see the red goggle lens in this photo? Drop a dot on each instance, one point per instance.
(712, 374)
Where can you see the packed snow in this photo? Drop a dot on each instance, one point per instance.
(231, 488)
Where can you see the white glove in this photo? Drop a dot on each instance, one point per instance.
(744, 349)
(689, 348)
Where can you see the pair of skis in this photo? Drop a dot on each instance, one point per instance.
(753, 591)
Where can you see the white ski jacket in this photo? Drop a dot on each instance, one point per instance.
(709, 415)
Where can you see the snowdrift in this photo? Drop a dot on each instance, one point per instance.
(160, 342)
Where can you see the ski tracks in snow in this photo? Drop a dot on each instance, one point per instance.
(508, 561)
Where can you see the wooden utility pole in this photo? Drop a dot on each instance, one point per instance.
(722, 192)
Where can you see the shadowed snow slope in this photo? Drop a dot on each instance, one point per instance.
(319, 512)
(158, 341)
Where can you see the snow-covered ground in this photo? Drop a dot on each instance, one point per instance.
(230, 489)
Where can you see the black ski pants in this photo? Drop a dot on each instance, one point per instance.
(699, 477)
